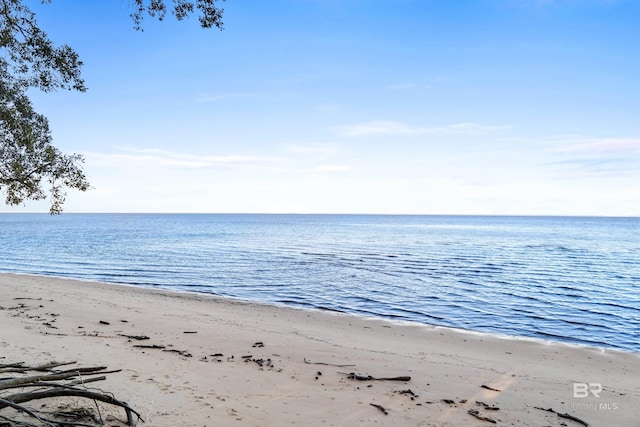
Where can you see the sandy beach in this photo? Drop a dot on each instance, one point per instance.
(218, 361)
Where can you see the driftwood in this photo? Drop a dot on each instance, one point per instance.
(183, 353)
(565, 416)
(487, 407)
(37, 383)
(326, 364)
(382, 408)
(19, 367)
(152, 346)
(476, 413)
(354, 376)
(135, 337)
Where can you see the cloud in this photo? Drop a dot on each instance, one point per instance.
(324, 149)
(400, 128)
(157, 157)
(376, 128)
(474, 128)
(597, 157)
(599, 146)
(331, 168)
(596, 168)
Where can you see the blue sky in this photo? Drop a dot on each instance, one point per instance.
(526, 107)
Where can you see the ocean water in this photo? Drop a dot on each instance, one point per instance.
(566, 279)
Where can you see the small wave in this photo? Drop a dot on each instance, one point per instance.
(583, 341)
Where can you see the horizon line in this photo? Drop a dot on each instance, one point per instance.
(332, 214)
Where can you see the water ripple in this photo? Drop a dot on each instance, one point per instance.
(569, 279)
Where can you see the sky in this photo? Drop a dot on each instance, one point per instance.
(487, 107)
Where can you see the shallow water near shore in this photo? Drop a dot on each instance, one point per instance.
(561, 278)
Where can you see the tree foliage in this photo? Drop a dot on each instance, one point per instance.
(27, 157)
(29, 59)
(210, 14)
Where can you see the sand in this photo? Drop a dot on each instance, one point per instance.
(293, 376)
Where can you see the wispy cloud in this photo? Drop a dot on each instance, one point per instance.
(598, 146)
(324, 149)
(329, 168)
(596, 168)
(157, 157)
(597, 157)
(400, 128)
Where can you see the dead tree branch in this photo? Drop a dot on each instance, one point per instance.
(55, 384)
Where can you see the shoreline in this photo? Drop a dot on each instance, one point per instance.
(400, 321)
(301, 384)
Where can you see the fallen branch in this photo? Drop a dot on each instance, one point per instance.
(11, 365)
(28, 397)
(382, 409)
(354, 376)
(53, 385)
(183, 353)
(19, 367)
(136, 337)
(476, 413)
(487, 406)
(11, 382)
(41, 384)
(10, 404)
(565, 416)
(326, 364)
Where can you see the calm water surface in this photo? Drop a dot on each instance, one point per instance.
(567, 279)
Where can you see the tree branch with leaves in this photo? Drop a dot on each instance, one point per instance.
(29, 59)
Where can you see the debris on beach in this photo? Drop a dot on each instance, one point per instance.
(327, 364)
(47, 382)
(565, 416)
(475, 413)
(354, 376)
(380, 407)
(136, 337)
(407, 392)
